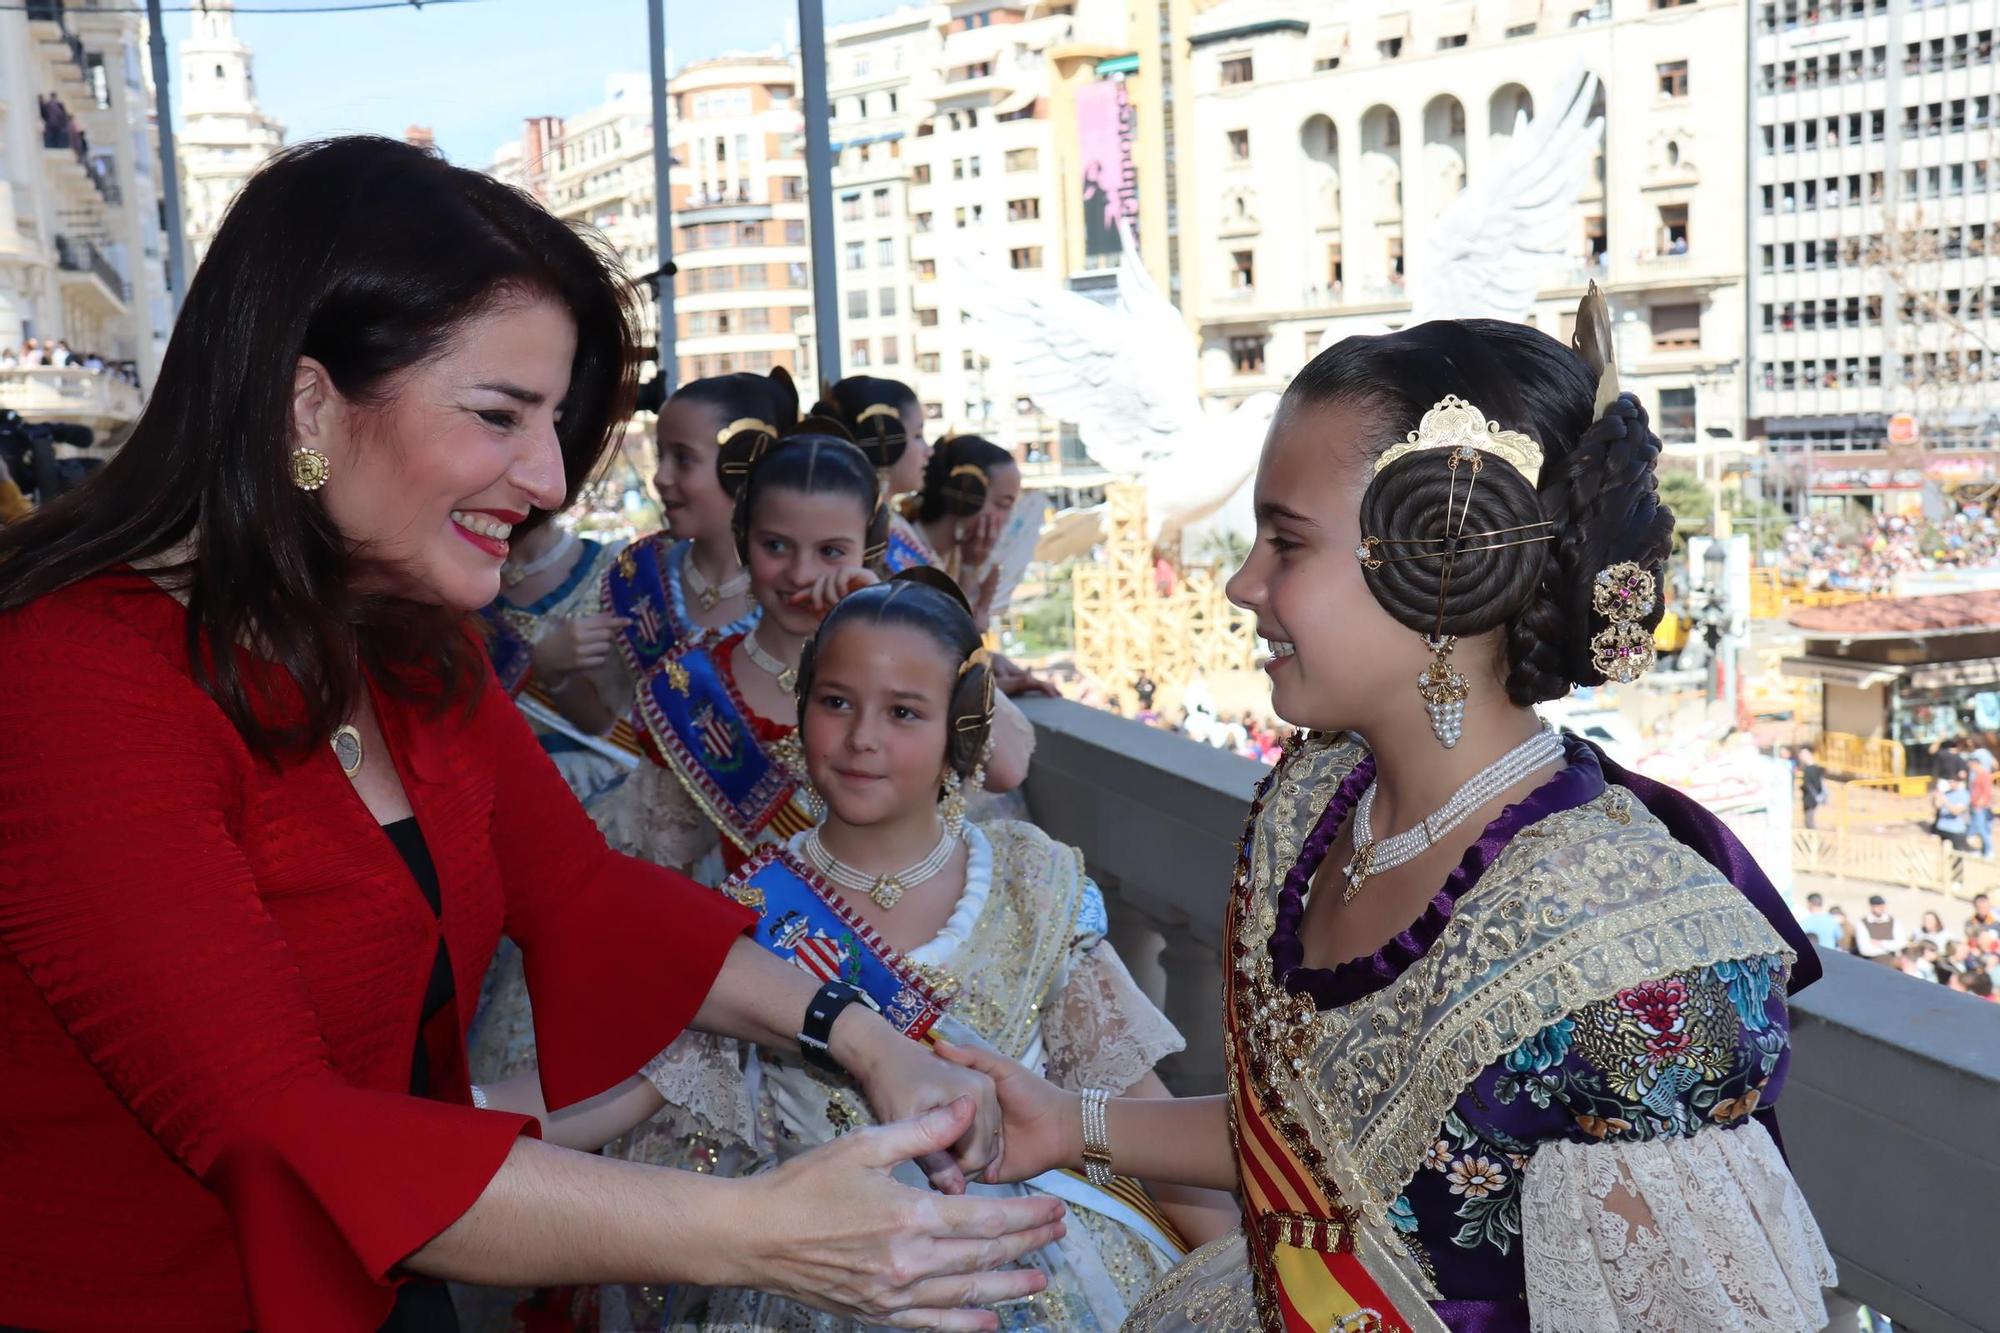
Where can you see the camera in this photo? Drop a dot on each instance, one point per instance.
(28, 449)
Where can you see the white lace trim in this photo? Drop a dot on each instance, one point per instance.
(701, 1076)
(1102, 1031)
(651, 816)
(1708, 1232)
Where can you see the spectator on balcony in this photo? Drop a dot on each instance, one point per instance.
(9, 358)
(1812, 785)
(1982, 918)
(61, 356)
(1930, 930)
(1878, 935)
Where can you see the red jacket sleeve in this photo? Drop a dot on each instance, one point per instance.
(125, 897)
(618, 953)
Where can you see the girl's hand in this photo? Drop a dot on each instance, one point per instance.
(982, 599)
(977, 538)
(831, 1229)
(901, 1078)
(577, 643)
(1043, 1123)
(1015, 681)
(828, 589)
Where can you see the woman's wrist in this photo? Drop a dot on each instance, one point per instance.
(862, 1040)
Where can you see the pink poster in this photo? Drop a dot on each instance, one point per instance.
(1105, 124)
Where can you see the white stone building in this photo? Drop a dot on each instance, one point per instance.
(223, 133)
(597, 171)
(80, 241)
(1874, 285)
(1328, 137)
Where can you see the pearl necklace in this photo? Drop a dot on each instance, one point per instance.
(711, 595)
(788, 677)
(885, 890)
(1372, 857)
(514, 575)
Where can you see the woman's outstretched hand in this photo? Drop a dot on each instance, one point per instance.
(1043, 1125)
(832, 1229)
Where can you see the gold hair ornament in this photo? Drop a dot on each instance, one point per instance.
(1624, 595)
(1453, 423)
(743, 425)
(1592, 341)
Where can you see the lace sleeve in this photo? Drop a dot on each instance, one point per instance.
(1707, 1231)
(652, 817)
(1102, 1031)
(701, 1076)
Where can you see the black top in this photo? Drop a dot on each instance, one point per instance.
(423, 1306)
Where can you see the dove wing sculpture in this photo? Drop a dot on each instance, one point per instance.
(1490, 252)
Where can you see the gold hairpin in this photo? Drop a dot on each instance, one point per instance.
(1456, 424)
(979, 657)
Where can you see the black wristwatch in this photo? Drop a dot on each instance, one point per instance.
(815, 1037)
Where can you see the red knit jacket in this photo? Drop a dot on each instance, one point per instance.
(211, 972)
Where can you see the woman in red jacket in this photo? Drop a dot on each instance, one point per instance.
(264, 813)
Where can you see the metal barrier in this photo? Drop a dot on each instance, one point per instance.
(1916, 862)
(1860, 756)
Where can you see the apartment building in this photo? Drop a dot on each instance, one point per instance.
(1329, 137)
(595, 169)
(224, 133)
(80, 239)
(1873, 284)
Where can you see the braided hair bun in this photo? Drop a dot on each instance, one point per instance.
(869, 411)
(959, 477)
(757, 410)
(1529, 554)
(926, 600)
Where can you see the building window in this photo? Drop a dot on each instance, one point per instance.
(1246, 353)
(972, 167)
(933, 411)
(1326, 62)
(857, 354)
(1521, 30)
(927, 272)
(857, 305)
(1242, 270)
(927, 363)
(792, 190)
(1451, 41)
(1677, 416)
(920, 174)
(1023, 210)
(1673, 78)
(1677, 327)
(1389, 47)
(795, 232)
(885, 251)
(1023, 159)
(882, 203)
(1026, 256)
(926, 319)
(889, 351)
(885, 301)
(1236, 69)
(1673, 229)
(857, 256)
(921, 222)
(1239, 145)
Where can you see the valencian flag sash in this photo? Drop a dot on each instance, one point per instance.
(805, 923)
(635, 587)
(904, 552)
(701, 727)
(1302, 1238)
(506, 646)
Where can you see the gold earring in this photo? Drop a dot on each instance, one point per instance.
(310, 469)
(952, 807)
(1444, 691)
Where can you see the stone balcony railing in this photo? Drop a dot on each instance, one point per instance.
(70, 393)
(1888, 1110)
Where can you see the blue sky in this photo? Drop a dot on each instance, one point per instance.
(472, 71)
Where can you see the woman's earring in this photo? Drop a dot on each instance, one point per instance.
(1444, 691)
(952, 807)
(310, 469)
(815, 803)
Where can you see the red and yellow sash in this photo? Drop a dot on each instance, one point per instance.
(1301, 1237)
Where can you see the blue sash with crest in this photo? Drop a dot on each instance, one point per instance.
(635, 587)
(506, 646)
(701, 727)
(808, 925)
(905, 550)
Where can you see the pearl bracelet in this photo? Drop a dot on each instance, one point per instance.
(1096, 1138)
(479, 1097)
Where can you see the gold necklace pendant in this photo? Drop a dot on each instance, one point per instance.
(346, 742)
(887, 892)
(709, 597)
(1357, 873)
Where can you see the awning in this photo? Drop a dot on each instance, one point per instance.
(1979, 671)
(1520, 13)
(1393, 27)
(1454, 20)
(1834, 671)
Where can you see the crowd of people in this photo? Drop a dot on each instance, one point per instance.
(56, 352)
(1868, 554)
(820, 1036)
(1966, 959)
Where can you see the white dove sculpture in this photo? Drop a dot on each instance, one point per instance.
(1126, 373)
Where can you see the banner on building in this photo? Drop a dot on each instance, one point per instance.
(1106, 124)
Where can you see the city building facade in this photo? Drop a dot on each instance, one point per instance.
(223, 134)
(1327, 139)
(81, 264)
(1873, 282)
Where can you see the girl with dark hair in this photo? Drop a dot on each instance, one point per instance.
(1506, 1021)
(987, 935)
(264, 813)
(971, 486)
(884, 418)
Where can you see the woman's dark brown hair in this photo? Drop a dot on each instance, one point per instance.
(369, 256)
